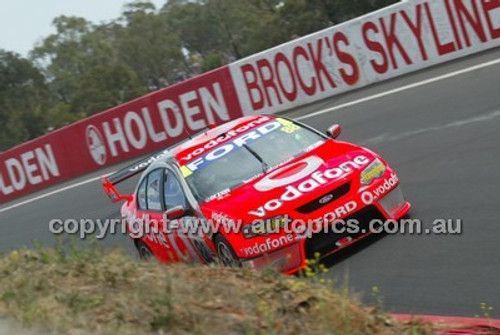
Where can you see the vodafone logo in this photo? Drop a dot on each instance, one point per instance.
(369, 197)
(268, 245)
(301, 170)
(316, 179)
(95, 144)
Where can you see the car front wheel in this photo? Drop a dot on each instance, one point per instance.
(226, 253)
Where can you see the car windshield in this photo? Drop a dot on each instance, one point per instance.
(248, 156)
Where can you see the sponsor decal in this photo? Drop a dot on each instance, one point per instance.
(186, 172)
(96, 146)
(150, 161)
(340, 212)
(368, 197)
(269, 245)
(229, 134)
(317, 179)
(288, 126)
(375, 170)
(239, 142)
(221, 195)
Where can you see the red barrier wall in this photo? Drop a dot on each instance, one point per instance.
(141, 126)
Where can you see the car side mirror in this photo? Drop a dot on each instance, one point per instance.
(334, 131)
(175, 212)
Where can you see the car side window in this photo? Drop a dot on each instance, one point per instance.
(173, 193)
(141, 195)
(153, 190)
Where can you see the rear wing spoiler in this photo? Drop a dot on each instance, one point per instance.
(109, 182)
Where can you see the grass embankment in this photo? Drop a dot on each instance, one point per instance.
(96, 292)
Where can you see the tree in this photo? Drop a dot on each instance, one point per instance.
(106, 86)
(84, 72)
(302, 17)
(64, 56)
(147, 44)
(342, 10)
(198, 28)
(231, 29)
(23, 98)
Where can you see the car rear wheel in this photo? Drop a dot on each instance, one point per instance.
(144, 252)
(226, 253)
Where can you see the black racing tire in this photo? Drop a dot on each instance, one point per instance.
(144, 251)
(203, 250)
(225, 252)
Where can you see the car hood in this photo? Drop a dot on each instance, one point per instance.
(293, 184)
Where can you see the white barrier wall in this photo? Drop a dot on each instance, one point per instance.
(402, 38)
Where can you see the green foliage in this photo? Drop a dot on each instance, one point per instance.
(211, 61)
(103, 87)
(85, 74)
(23, 98)
(83, 69)
(147, 45)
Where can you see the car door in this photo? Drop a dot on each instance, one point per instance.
(151, 212)
(189, 244)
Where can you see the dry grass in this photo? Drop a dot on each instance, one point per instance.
(82, 292)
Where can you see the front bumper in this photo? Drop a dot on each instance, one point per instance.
(292, 258)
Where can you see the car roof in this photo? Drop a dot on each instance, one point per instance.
(187, 146)
(184, 148)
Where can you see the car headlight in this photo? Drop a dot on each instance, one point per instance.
(375, 170)
(265, 227)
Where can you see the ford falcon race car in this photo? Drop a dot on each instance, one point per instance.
(257, 191)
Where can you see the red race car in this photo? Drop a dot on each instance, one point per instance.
(257, 191)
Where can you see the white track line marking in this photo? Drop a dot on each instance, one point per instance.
(46, 195)
(324, 111)
(401, 89)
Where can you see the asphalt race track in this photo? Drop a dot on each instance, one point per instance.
(442, 134)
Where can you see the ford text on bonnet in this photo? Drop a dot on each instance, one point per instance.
(257, 191)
